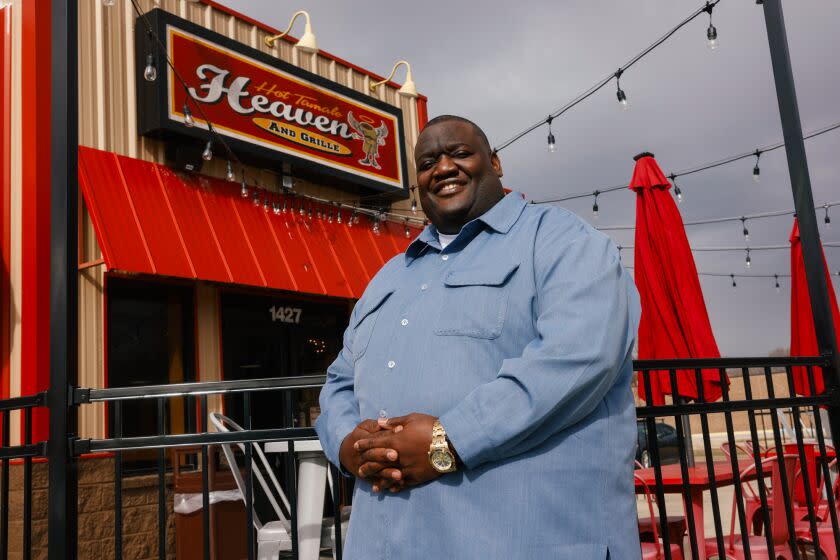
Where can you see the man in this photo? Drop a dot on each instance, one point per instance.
(496, 354)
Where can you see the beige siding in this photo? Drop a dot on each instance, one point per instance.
(208, 341)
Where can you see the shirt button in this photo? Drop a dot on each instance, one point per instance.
(424, 287)
(391, 364)
(444, 257)
(404, 322)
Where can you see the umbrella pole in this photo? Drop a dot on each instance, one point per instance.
(804, 202)
(689, 442)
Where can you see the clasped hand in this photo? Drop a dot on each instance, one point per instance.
(390, 454)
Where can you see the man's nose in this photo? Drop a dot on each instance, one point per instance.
(445, 167)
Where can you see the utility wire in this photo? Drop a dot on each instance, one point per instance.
(705, 8)
(746, 217)
(745, 248)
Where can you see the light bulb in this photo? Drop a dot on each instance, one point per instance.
(256, 198)
(244, 191)
(746, 235)
(827, 219)
(622, 98)
(778, 288)
(376, 225)
(712, 37)
(678, 192)
(329, 218)
(756, 174)
(552, 145)
(150, 73)
(407, 230)
(207, 154)
(748, 261)
(595, 210)
(230, 176)
(734, 285)
(265, 203)
(276, 207)
(189, 122)
(338, 217)
(413, 205)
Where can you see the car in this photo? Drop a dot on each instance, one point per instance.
(666, 438)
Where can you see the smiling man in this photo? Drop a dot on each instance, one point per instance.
(482, 397)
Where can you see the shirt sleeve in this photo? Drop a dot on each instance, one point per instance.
(339, 408)
(587, 313)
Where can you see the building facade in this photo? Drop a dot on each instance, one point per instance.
(245, 265)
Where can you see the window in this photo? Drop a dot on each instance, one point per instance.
(151, 341)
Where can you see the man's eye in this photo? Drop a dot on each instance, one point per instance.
(461, 154)
(425, 165)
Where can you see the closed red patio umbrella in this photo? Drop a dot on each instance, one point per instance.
(674, 321)
(803, 339)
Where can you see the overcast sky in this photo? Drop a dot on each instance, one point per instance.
(508, 64)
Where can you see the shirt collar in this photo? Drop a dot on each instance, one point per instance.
(499, 218)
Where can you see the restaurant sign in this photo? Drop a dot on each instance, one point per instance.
(266, 109)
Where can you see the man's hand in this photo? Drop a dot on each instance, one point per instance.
(410, 436)
(382, 474)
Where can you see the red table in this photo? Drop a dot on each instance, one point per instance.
(698, 481)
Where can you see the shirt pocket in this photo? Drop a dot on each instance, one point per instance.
(475, 301)
(366, 320)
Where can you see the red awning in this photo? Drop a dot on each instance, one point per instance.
(152, 220)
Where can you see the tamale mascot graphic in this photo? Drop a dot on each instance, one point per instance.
(371, 139)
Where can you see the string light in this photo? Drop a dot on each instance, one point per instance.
(338, 216)
(189, 121)
(778, 287)
(244, 190)
(413, 201)
(748, 261)
(677, 190)
(711, 32)
(376, 224)
(275, 206)
(265, 202)
(746, 232)
(756, 169)
(827, 217)
(256, 198)
(734, 284)
(207, 154)
(619, 93)
(407, 230)
(150, 73)
(592, 90)
(595, 205)
(230, 176)
(552, 144)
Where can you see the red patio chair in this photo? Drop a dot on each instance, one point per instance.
(778, 521)
(653, 550)
(825, 531)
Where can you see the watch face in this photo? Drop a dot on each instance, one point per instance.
(441, 460)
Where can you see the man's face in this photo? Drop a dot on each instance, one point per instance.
(457, 177)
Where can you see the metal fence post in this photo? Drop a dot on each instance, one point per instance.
(63, 280)
(804, 202)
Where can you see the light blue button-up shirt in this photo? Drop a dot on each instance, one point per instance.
(519, 337)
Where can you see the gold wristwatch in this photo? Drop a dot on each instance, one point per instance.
(440, 456)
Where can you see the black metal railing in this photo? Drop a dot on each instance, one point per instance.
(197, 394)
(23, 452)
(808, 504)
(796, 495)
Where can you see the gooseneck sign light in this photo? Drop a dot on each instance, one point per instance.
(306, 43)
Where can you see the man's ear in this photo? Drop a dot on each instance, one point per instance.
(496, 163)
